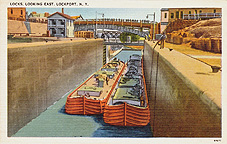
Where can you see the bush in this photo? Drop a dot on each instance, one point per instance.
(134, 37)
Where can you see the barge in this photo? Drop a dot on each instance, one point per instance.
(92, 95)
(128, 104)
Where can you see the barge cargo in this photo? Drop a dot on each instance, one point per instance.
(91, 96)
(128, 105)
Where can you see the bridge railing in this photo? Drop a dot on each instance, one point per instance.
(120, 20)
(141, 24)
(202, 16)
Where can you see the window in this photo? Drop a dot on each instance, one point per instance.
(53, 31)
(62, 31)
(62, 22)
(21, 12)
(54, 22)
(181, 14)
(195, 11)
(172, 15)
(200, 11)
(189, 12)
(177, 14)
(215, 11)
(165, 15)
(11, 11)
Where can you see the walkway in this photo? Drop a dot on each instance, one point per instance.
(196, 71)
(122, 22)
(206, 57)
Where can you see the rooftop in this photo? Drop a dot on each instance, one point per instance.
(62, 14)
(76, 17)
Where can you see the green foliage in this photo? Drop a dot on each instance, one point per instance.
(134, 37)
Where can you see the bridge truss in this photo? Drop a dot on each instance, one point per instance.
(85, 27)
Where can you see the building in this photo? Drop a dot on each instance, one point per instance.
(38, 17)
(77, 18)
(17, 14)
(84, 34)
(60, 25)
(34, 14)
(170, 14)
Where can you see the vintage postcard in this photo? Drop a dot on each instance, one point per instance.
(112, 71)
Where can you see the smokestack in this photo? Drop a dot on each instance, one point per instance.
(62, 10)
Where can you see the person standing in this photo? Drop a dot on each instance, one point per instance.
(107, 79)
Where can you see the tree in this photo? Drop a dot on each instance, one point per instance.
(134, 37)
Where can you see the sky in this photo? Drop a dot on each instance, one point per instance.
(90, 13)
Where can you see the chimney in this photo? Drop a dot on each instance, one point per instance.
(62, 10)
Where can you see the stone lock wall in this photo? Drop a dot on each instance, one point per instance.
(40, 74)
(176, 109)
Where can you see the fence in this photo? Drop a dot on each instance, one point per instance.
(202, 16)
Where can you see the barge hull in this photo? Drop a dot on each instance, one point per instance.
(126, 115)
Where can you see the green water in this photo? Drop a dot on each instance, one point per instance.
(55, 123)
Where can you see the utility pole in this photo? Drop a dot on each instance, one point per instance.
(154, 27)
(153, 23)
(96, 33)
(96, 26)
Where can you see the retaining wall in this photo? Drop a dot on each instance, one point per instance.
(178, 107)
(15, 27)
(19, 27)
(41, 73)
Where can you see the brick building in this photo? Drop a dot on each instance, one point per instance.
(171, 14)
(17, 14)
(84, 34)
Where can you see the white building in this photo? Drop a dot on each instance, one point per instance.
(60, 25)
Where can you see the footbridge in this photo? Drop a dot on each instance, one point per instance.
(125, 44)
(143, 28)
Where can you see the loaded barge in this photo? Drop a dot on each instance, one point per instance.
(128, 104)
(92, 95)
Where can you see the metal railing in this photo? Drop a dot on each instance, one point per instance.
(202, 16)
(119, 20)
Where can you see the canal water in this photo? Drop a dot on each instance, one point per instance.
(54, 122)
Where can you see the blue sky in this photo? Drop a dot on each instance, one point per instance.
(90, 13)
